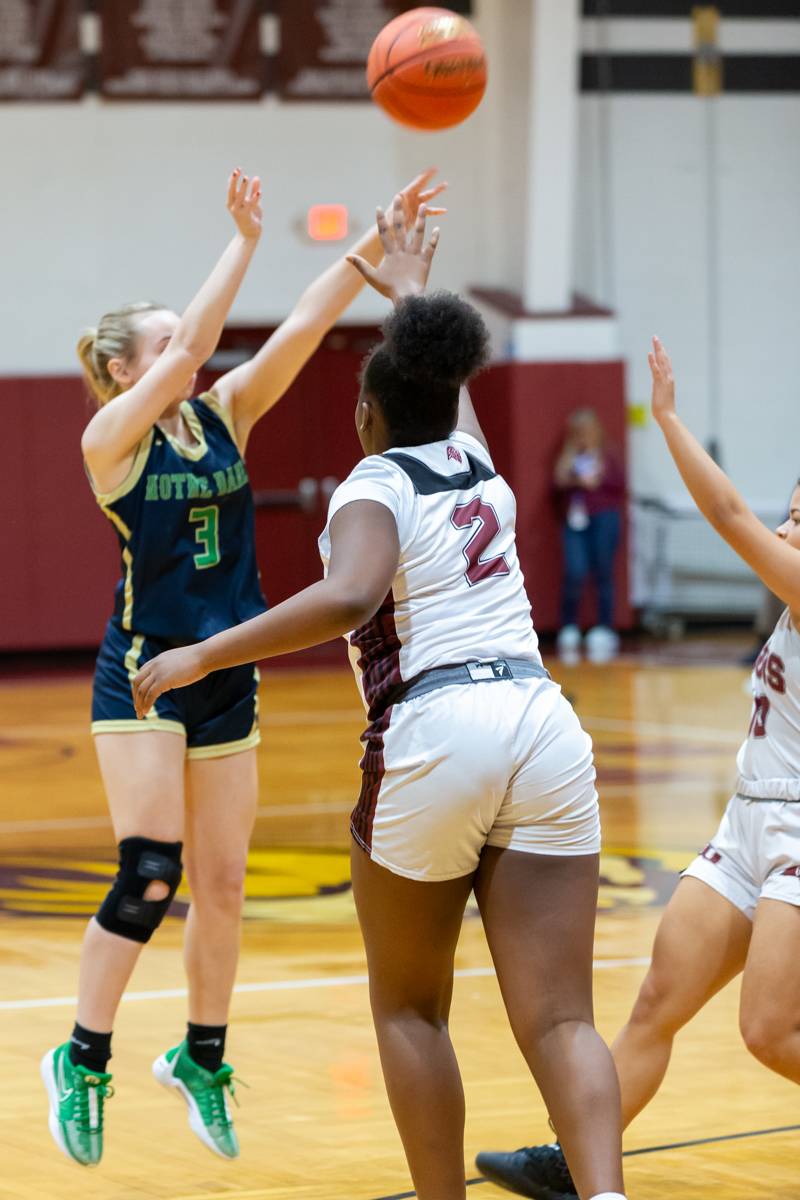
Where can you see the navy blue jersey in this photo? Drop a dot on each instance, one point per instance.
(184, 518)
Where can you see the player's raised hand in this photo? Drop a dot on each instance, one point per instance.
(421, 191)
(407, 259)
(244, 203)
(172, 669)
(663, 401)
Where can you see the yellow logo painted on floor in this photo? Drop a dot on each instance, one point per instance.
(294, 885)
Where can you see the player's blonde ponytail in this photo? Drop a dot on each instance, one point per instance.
(115, 337)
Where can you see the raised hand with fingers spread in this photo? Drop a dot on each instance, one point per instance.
(407, 258)
(244, 204)
(418, 192)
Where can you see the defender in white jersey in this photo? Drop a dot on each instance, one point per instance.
(506, 767)
(755, 853)
(736, 909)
(476, 772)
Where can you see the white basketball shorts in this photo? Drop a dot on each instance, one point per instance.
(502, 763)
(754, 855)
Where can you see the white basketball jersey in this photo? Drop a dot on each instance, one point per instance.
(769, 760)
(458, 594)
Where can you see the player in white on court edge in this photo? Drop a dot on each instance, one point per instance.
(736, 909)
(476, 772)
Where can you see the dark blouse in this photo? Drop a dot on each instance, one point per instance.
(608, 495)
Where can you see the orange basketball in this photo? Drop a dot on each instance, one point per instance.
(427, 68)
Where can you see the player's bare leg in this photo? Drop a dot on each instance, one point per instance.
(701, 944)
(143, 779)
(221, 806)
(222, 795)
(539, 912)
(410, 933)
(770, 1001)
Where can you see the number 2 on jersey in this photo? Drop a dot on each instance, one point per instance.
(464, 516)
(206, 535)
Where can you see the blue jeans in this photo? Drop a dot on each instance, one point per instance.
(591, 550)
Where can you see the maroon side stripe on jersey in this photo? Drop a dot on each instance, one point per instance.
(379, 658)
(379, 663)
(373, 770)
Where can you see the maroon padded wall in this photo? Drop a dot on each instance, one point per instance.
(58, 553)
(57, 550)
(523, 408)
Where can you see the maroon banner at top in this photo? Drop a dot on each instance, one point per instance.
(325, 43)
(181, 50)
(40, 54)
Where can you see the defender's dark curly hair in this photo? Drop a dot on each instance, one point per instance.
(431, 346)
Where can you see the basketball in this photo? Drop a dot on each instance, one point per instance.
(427, 69)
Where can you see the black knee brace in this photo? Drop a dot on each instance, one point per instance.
(141, 861)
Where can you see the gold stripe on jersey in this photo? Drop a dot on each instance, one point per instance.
(127, 612)
(131, 479)
(200, 446)
(117, 521)
(216, 406)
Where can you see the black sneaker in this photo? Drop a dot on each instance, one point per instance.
(540, 1172)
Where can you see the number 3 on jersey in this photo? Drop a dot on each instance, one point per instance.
(206, 535)
(464, 516)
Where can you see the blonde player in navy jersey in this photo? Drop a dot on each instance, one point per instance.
(736, 910)
(167, 471)
(476, 772)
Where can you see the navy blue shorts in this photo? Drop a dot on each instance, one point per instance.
(217, 715)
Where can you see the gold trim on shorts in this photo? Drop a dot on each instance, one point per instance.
(222, 749)
(133, 725)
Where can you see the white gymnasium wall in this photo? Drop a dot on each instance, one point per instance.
(101, 204)
(643, 249)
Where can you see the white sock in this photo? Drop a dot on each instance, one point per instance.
(609, 1196)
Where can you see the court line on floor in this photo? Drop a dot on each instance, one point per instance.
(50, 824)
(662, 729)
(707, 1141)
(301, 719)
(285, 985)
(314, 809)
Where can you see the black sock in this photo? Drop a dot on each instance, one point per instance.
(206, 1045)
(89, 1049)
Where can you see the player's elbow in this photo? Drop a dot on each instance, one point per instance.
(94, 444)
(192, 350)
(89, 443)
(353, 604)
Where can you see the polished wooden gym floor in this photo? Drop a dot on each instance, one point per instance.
(314, 1123)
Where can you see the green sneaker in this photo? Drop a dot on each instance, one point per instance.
(76, 1106)
(206, 1093)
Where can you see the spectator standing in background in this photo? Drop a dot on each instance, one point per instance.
(590, 483)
